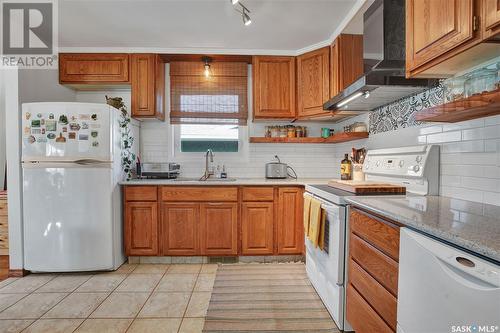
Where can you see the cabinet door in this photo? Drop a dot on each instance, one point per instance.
(290, 226)
(491, 10)
(434, 27)
(219, 228)
(148, 86)
(274, 87)
(257, 232)
(180, 229)
(93, 68)
(313, 82)
(346, 62)
(141, 229)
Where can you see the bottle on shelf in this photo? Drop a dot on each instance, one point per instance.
(346, 168)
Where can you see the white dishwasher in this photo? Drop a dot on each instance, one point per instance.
(444, 289)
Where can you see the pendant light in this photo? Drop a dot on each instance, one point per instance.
(206, 68)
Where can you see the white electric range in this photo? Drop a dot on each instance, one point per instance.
(416, 168)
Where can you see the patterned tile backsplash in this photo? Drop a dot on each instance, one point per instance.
(401, 113)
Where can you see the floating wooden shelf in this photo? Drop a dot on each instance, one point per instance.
(477, 106)
(336, 138)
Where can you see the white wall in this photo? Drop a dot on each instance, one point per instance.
(2, 130)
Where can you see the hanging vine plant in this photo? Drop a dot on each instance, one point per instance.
(127, 140)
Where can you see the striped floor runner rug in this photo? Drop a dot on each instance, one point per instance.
(266, 298)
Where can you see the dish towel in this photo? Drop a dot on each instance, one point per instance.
(314, 221)
(322, 230)
(307, 208)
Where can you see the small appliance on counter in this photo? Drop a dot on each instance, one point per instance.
(159, 170)
(278, 170)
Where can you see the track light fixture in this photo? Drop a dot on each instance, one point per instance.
(240, 8)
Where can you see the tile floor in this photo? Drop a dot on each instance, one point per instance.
(136, 298)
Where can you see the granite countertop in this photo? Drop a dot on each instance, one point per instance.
(470, 225)
(235, 182)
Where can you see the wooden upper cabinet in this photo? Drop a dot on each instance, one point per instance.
(94, 68)
(290, 220)
(179, 229)
(491, 13)
(434, 27)
(141, 228)
(346, 62)
(273, 87)
(219, 228)
(257, 231)
(313, 82)
(148, 86)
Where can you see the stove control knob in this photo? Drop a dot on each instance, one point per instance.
(416, 168)
(401, 163)
(377, 164)
(419, 158)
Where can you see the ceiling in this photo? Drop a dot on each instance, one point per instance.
(278, 26)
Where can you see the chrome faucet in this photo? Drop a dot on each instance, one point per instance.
(209, 169)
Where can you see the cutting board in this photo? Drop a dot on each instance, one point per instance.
(367, 187)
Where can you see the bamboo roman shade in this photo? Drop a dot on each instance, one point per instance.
(218, 99)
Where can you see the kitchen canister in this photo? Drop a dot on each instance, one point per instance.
(357, 172)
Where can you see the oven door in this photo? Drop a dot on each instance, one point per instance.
(331, 261)
(325, 269)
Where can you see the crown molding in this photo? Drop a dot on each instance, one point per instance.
(190, 50)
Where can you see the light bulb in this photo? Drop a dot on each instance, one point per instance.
(207, 70)
(234, 2)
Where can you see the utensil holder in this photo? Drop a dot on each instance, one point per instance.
(357, 172)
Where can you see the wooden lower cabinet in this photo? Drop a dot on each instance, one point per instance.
(213, 221)
(373, 273)
(290, 220)
(179, 229)
(219, 228)
(141, 228)
(257, 228)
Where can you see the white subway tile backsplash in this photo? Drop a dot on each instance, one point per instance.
(485, 184)
(463, 147)
(444, 137)
(492, 198)
(464, 125)
(487, 132)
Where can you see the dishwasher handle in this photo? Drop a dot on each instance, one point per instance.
(464, 278)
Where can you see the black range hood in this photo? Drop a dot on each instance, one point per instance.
(384, 63)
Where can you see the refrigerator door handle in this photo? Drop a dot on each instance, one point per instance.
(89, 161)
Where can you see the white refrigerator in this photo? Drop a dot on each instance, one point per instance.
(71, 159)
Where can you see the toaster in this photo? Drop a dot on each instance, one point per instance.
(276, 170)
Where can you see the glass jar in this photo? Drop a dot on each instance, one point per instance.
(283, 132)
(480, 81)
(454, 88)
(275, 132)
(291, 132)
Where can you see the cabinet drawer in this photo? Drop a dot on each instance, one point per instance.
(140, 193)
(199, 193)
(361, 315)
(380, 266)
(377, 233)
(382, 301)
(258, 194)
